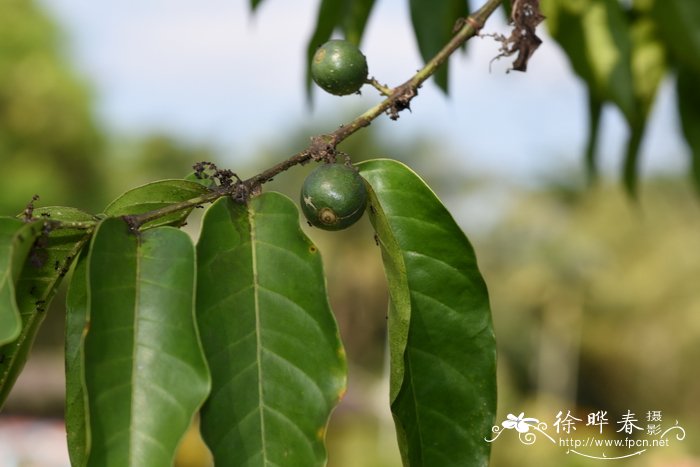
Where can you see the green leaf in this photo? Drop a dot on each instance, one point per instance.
(679, 22)
(196, 178)
(278, 366)
(433, 24)
(689, 109)
(507, 9)
(443, 388)
(76, 397)
(254, 4)
(630, 169)
(16, 240)
(648, 62)
(156, 195)
(48, 262)
(595, 36)
(595, 109)
(145, 372)
(355, 19)
(648, 69)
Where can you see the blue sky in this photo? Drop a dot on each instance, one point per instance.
(212, 71)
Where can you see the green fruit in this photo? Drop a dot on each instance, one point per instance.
(333, 197)
(339, 67)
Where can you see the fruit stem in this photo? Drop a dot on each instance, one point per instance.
(382, 88)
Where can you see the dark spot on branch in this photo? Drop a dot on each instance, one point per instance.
(242, 192)
(525, 17)
(402, 100)
(322, 148)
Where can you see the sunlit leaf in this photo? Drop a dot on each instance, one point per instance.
(278, 367)
(648, 62)
(16, 240)
(443, 387)
(145, 372)
(648, 69)
(595, 36)
(48, 262)
(156, 195)
(433, 24)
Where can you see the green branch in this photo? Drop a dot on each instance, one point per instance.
(322, 147)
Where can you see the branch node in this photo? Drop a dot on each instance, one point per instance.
(242, 192)
(523, 40)
(322, 148)
(475, 23)
(402, 97)
(383, 89)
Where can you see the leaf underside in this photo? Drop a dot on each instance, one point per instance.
(278, 367)
(16, 240)
(443, 354)
(48, 262)
(156, 195)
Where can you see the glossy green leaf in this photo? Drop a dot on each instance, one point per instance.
(433, 24)
(16, 240)
(679, 22)
(145, 372)
(48, 262)
(689, 108)
(443, 385)
(76, 397)
(595, 36)
(278, 366)
(156, 195)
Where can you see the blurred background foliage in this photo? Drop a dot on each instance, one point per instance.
(595, 298)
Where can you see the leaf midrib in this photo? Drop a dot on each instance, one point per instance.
(258, 340)
(134, 360)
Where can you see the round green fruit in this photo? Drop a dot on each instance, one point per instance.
(339, 67)
(333, 197)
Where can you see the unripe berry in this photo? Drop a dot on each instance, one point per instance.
(339, 67)
(333, 197)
